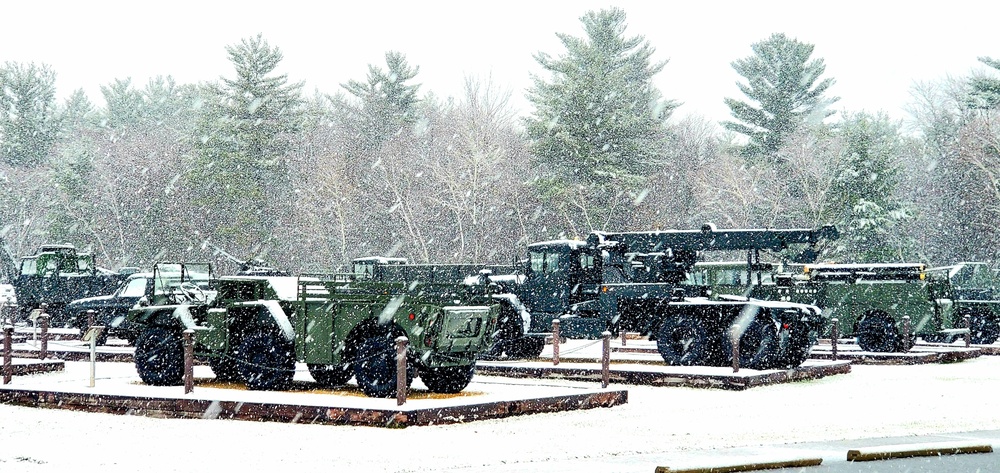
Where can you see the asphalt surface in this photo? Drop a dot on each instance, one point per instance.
(833, 454)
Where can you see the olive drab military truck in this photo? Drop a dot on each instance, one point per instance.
(870, 301)
(632, 281)
(56, 275)
(255, 328)
(972, 288)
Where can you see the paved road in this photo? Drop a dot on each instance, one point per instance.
(834, 455)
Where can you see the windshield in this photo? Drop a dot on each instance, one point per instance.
(135, 287)
(972, 275)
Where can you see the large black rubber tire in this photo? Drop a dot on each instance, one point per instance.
(758, 345)
(510, 328)
(448, 379)
(794, 344)
(159, 357)
(525, 347)
(266, 361)
(682, 340)
(225, 368)
(375, 367)
(331, 375)
(983, 326)
(877, 333)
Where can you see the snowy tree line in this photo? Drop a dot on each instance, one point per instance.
(255, 166)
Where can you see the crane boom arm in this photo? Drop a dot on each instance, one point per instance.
(710, 239)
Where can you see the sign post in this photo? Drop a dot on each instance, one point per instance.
(91, 336)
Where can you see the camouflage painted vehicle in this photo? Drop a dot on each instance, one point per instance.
(255, 328)
(972, 289)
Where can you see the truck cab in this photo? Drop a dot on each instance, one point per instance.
(560, 273)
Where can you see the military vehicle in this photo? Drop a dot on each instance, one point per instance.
(632, 281)
(255, 328)
(56, 275)
(111, 310)
(972, 289)
(870, 301)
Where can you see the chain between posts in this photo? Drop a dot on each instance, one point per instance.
(555, 342)
(401, 344)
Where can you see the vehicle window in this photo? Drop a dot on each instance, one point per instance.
(537, 261)
(134, 288)
(364, 270)
(29, 267)
(552, 262)
(83, 263)
(972, 275)
(546, 262)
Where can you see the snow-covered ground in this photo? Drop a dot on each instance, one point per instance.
(871, 401)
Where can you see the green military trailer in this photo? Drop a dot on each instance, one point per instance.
(871, 302)
(972, 289)
(255, 328)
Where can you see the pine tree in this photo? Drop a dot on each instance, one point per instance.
(240, 173)
(985, 93)
(388, 102)
(77, 112)
(29, 123)
(783, 92)
(862, 200)
(598, 128)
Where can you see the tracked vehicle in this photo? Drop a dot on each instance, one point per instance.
(255, 328)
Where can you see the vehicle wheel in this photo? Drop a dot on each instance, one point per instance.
(331, 375)
(494, 352)
(525, 347)
(159, 357)
(794, 344)
(375, 367)
(682, 340)
(266, 361)
(983, 327)
(130, 337)
(758, 344)
(447, 379)
(877, 333)
(225, 367)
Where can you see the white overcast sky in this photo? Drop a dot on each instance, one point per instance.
(875, 50)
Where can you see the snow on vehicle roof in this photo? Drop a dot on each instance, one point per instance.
(552, 243)
(286, 287)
